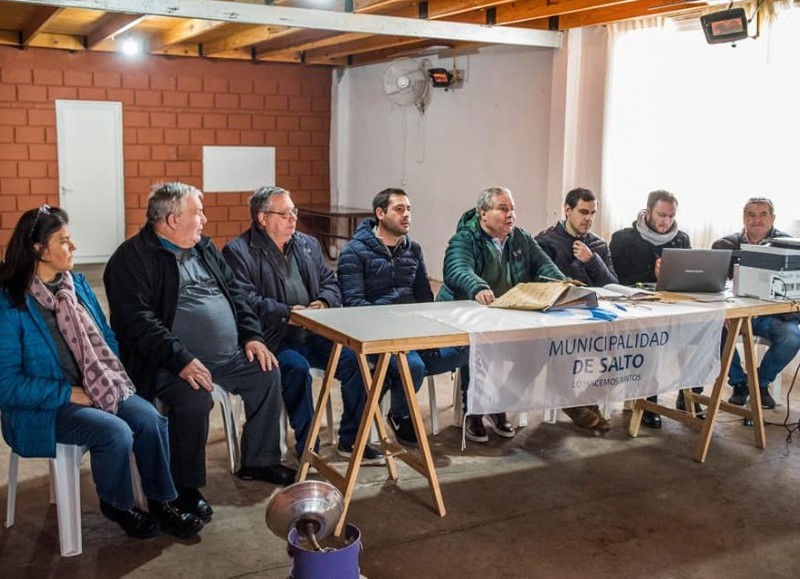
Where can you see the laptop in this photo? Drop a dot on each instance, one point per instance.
(694, 270)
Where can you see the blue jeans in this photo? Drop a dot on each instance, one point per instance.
(295, 360)
(784, 336)
(137, 427)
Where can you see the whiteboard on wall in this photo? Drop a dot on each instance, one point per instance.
(237, 168)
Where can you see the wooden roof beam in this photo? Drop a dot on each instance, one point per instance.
(111, 25)
(183, 32)
(42, 16)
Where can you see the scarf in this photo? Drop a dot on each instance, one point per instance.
(104, 378)
(653, 237)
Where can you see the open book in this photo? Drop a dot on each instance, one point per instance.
(615, 291)
(546, 296)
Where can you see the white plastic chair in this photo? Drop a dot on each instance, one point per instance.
(65, 492)
(762, 345)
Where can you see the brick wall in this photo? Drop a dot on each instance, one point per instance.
(171, 107)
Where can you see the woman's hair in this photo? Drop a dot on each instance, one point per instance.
(22, 255)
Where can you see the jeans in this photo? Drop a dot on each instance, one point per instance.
(784, 336)
(295, 360)
(136, 427)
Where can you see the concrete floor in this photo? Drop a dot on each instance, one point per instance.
(555, 501)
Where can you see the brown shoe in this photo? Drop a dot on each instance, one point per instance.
(602, 424)
(585, 417)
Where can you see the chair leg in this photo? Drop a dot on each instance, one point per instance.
(11, 496)
(432, 402)
(284, 422)
(522, 419)
(68, 497)
(458, 405)
(229, 422)
(136, 482)
(550, 415)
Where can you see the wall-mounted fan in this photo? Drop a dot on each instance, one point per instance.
(406, 83)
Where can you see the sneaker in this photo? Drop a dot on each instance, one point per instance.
(651, 419)
(403, 430)
(767, 401)
(474, 430)
(740, 394)
(372, 456)
(501, 426)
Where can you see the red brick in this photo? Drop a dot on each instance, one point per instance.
(10, 186)
(290, 88)
(287, 154)
(29, 134)
(48, 77)
(299, 139)
(215, 85)
(91, 93)
(178, 170)
(240, 122)
(14, 152)
(136, 119)
(252, 138)
(123, 95)
(320, 167)
(77, 78)
(46, 186)
(150, 98)
(212, 121)
(251, 101)
(201, 100)
(226, 101)
(107, 79)
(8, 168)
(210, 229)
(312, 124)
(13, 116)
(287, 123)
(165, 83)
(131, 201)
(164, 153)
(226, 228)
(190, 83)
(265, 87)
(32, 93)
(136, 81)
(176, 136)
(9, 220)
(216, 213)
(47, 152)
(275, 138)
(131, 169)
(149, 136)
(240, 213)
(154, 169)
(197, 169)
(228, 138)
(190, 120)
(311, 153)
(320, 139)
(42, 117)
(8, 203)
(128, 137)
(290, 183)
(62, 92)
(176, 99)
(240, 86)
(6, 134)
(301, 198)
(50, 134)
(33, 169)
(320, 105)
(136, 152)
(312, 89)
(52, 167)
(312, 182)
(276, 103)
(8, 92)
(299, 168)
(16, 75)
(203, 137)
(264, 122)
(190, 153)
(300, 104)
(166, 120)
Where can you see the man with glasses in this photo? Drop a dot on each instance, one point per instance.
(487, 256)
(781, 330)
(184, 324)
(282, 270)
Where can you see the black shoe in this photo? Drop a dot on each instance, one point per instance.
(474, 429)
(767, 401)
(680, 404)
(403, 430)
(651, 419)
(191, 501)
(276, 474)
(371, 457)
(501, 426)
(740, 394)
(134, 522)
(174, 522)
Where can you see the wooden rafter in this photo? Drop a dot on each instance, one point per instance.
(41, 17)
(111, 25)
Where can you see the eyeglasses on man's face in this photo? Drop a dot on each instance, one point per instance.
(284, 214)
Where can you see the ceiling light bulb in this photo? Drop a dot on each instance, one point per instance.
(131, 46)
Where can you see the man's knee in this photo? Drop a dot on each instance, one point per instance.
(186, 400)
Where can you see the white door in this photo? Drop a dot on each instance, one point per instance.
(91, 178)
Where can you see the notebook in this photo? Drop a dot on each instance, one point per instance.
(694, 270)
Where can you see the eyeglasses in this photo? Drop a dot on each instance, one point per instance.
(284, 214)
(43, 210)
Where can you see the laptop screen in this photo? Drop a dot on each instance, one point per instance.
(694, 270)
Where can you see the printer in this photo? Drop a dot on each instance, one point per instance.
(769, 272)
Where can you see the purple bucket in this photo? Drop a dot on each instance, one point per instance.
(336, 564)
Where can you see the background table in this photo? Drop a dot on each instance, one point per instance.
(331, 224)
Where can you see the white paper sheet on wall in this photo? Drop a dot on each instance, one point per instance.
(237, 168)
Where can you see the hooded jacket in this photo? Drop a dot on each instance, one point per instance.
(557, 242)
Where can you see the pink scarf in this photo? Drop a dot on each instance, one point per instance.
(104, 378)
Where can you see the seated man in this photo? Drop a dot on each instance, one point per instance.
(581, 255)
(781, 330)
(637, 258)
(487, 256)
(382, 265)
(280, 270)
(183, 323)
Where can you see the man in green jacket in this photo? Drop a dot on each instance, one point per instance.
(487, 256)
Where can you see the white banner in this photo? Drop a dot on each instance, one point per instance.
(523, 361)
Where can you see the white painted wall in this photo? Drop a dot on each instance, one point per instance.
(496, 130)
